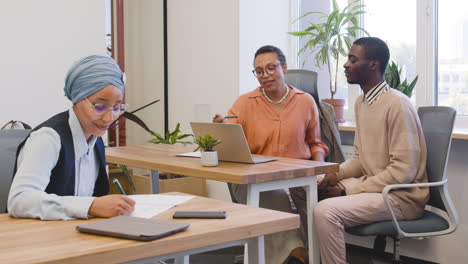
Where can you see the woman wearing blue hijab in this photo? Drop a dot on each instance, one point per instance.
(60, 167)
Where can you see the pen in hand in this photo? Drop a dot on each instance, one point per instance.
(216, 116)
(117, 183)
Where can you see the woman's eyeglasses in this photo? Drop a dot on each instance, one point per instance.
(100, 109)
(270, 69)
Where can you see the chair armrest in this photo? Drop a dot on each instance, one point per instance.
(390, 187)
(446, 199)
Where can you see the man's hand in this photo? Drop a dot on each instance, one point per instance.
(329, 180)
(330, 192)
(111, 205)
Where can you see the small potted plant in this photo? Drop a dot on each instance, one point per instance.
(206, 143)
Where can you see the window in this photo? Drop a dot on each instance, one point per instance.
(452, 64)
(399, 33)
(428, 38)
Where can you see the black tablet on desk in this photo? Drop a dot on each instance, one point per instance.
(135, 228)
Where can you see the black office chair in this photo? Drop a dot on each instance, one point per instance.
(9, 141)
(437, 124)
(304, 80)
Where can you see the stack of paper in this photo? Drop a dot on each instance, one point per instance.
(149, 205)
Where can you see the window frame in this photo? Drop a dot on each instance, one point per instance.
(426, 60)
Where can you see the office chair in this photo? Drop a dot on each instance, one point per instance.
(437, 125)
(304, 80)
(9, 141)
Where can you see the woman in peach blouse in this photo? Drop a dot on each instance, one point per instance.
(278, 120)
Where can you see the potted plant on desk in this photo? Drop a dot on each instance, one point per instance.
(206, 143)
(331, 39)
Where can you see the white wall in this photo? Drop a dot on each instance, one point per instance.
(262, 22)
(144, 65)
(203, 44)
(39, 42)
(323, 77)
(211, 46)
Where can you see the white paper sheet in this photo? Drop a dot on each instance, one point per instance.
(149, 205)
(196, 154)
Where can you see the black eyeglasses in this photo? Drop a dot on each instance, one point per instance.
(270, 69)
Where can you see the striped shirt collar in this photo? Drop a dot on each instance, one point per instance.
(376, 92)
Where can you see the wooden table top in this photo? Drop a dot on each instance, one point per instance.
(162, 157)
(36, 241)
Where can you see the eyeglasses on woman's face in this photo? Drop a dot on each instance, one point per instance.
(269, 69)
(101, 109)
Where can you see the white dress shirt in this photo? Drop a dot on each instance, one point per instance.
(36, 160)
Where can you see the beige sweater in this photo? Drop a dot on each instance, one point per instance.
(389, 149)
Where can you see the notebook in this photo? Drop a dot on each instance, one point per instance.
(233, 146)
(135, 228)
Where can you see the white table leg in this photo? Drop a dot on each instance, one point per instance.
(256, 246)
(253, 195)
(314, 252)
(182, 260)
(256, 250)
(310, 183)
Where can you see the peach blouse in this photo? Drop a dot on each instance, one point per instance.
(295, 133)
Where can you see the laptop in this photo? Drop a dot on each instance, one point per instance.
(233, 146)
(135, 228)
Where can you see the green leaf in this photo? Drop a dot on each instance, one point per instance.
(206, 142)
(128, 176)
(310, 13)
(299, 33)
(184, 136)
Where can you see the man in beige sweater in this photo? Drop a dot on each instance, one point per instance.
(389, 149)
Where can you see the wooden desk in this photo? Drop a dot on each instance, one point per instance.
(36, 241)
(283, 173)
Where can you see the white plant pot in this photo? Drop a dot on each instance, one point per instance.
(209, 158)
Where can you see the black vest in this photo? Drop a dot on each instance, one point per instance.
(62, 178)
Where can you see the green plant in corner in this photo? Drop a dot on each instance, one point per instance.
(393, 78)
(333, 37)
(170, 137)
(206, 142)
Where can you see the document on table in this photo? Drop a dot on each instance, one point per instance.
(196, 154)
(149, 205)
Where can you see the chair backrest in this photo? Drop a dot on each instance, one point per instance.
(304, 80)
(9, 141)
(437, 125)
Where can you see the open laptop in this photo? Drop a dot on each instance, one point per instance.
(233, 146)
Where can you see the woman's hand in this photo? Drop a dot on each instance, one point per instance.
(111, 205)
(219, 119)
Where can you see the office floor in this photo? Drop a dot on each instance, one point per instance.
(356, 255)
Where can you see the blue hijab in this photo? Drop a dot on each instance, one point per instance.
(91, 74)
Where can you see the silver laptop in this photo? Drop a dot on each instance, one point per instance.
(233, 146)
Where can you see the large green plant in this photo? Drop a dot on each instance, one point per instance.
(393, 77)
(333, 37)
